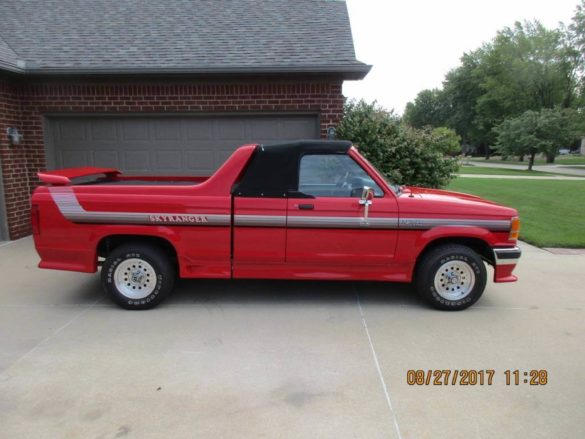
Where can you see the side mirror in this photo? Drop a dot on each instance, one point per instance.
(366, 200)
(368, 194)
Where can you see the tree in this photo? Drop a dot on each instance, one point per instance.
(534, 132)
(516, 136)
(576, 41)
(525, 67)
(577, 30)
(406, 155)
(428, 109)
(462, 89)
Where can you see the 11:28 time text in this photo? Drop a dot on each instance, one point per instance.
(474, 377)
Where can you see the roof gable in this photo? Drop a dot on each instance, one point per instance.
(198, 36)
(8, 59)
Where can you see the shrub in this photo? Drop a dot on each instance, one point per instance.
(447, 141)
(405, 155)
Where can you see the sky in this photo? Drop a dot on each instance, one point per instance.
(412, 44)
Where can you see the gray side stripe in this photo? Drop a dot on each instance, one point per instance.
(69, 206)
(260, 220)
(429, 223)
(335, 222)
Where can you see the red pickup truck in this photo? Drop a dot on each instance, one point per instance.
(301, 210)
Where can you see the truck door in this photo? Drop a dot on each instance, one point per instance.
(332, 229)
(259, 214)
(259, 231)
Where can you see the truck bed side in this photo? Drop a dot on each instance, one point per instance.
(75, 222)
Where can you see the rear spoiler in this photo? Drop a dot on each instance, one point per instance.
(64, 176)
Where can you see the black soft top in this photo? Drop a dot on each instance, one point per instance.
(273, 170)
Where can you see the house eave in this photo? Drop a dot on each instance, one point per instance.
(345, 71)
(9, 67)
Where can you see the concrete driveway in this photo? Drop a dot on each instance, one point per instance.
(287, 359)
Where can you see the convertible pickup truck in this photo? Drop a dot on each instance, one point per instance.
(300, 210)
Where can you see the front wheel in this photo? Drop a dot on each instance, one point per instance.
(451, 277)
(138, 276)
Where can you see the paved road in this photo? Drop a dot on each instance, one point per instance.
(287, 359)
(555, 169)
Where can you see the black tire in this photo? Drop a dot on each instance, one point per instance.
(446, 298)
(159, 261)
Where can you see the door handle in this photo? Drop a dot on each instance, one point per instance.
(306, 206)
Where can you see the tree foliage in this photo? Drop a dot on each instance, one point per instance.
(406, 155)
(533, 132)
(576, 39)
(428, 109)
(526, 67)
(446, 141)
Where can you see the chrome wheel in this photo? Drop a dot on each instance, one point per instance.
(454, 280)
(135, 278)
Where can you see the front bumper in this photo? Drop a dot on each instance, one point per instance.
(505, 261)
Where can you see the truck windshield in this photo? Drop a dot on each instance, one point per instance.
(393, 186)
(334, 175)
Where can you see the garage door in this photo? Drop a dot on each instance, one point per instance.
(169, 145)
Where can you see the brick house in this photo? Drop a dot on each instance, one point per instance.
(168, 87)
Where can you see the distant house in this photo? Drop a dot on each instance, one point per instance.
(169, 87)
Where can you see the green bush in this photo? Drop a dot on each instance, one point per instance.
(405, 155)
(447, 141)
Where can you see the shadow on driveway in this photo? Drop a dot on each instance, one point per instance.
(265, 292)
(290, 291)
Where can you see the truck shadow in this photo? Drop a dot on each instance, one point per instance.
(291, 291)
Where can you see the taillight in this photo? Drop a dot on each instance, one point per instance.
(35, 219)
(514, 229)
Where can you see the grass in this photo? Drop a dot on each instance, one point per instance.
(552, 212)
(560, 160)
(501, 171)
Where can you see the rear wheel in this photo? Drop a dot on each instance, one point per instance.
(451, 277)
(138, 276)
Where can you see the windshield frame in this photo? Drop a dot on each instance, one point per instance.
(378, 177)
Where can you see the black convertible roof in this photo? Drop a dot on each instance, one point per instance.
(308, 146)
(273, 169)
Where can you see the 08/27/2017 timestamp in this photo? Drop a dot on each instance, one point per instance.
(475, 377)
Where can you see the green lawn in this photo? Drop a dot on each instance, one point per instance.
(560, 160)
(552, 212)
(500, 171)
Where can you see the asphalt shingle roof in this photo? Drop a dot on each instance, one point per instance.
(8, 59)
(109, 36)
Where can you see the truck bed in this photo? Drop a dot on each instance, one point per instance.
(91, 176)
(140, 182)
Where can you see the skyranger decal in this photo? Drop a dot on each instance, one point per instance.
(178, 219)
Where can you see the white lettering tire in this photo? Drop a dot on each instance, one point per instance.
(451, 277)
(138, 276)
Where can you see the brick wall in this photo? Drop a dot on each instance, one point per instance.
(14, 160)
(23, 104)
